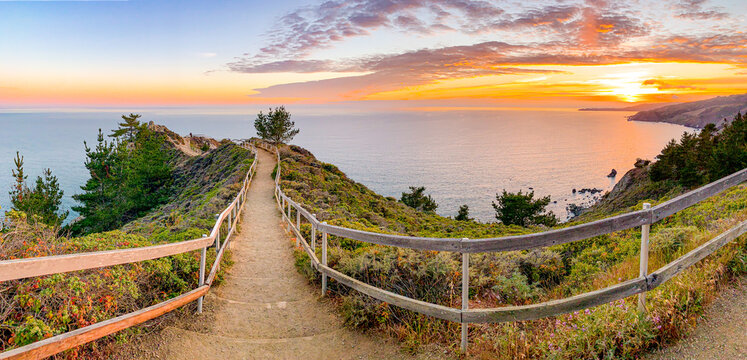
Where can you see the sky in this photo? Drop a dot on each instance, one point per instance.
(420, 54)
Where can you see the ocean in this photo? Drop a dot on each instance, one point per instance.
(461, 157)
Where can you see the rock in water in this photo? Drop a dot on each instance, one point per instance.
(613, 173)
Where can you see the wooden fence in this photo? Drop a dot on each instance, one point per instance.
(645, 282)
(47, 265)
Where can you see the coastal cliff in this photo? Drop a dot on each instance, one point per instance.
(697, 114)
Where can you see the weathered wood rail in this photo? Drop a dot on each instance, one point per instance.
(645, 282)
(47, 265)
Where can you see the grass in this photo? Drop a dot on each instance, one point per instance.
(614, 330)
(37, 308)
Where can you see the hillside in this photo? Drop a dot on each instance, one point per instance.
(697, 114)
(520, 277)
(37, 308)
(637, 107)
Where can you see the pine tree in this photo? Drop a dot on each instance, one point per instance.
(463, 214)
(276, 126)
(99, 205)
(707, 156)
(46, 198)
(19, 190)
(127, 178)
(43, 201)
(522, 209)
(129, 128)
(149, 173)
(417, 200)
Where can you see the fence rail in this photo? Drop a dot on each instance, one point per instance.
(25, 268)
(640, 285)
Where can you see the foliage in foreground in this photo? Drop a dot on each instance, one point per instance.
(37, 308)
(513, 278)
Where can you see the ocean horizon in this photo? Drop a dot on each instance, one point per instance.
(461, 156)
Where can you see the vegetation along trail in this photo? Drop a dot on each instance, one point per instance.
(265, 308)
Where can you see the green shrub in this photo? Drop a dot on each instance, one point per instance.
(514, 289)
(669, 241)
(417, 199)
(522, 209)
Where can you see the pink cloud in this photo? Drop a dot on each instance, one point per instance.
(311, 28)
(390, 72)
(593, 32)
(694, 10)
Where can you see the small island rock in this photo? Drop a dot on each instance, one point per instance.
(613, 173)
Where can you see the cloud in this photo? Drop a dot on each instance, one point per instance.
(568, 32)
(694, 10)
(662, 85)
(491, 57)
(596, 29)
(310, 28)
(395, 71)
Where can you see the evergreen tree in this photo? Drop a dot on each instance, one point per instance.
(704, 157)
(19, 190)
(127, 179)
(46, 199)
(149, 173)
(463, 213)
(417, 199)
(99, 206)
(276, 126)
(730, 149)
(522, 209)
(43, 201)
(129, 128)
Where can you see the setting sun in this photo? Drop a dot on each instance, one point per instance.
(628, 87)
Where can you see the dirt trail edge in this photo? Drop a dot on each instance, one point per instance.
(265, 309)
(720, 334)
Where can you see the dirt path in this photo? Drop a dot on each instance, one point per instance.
(265, 309)
(721, 334)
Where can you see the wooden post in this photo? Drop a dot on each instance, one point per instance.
(644, 260)
(203, 255)
(217, 236)
(465, 296)
(290, 222)
(298, 227)
(230, 216)
(313, 234)
(324, 260)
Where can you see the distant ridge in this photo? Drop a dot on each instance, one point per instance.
(697, 114)
(637, 107)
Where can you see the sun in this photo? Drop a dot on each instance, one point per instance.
(627, 87)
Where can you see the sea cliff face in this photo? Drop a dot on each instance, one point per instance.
(697, 114)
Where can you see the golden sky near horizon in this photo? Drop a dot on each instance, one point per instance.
(543, 53)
